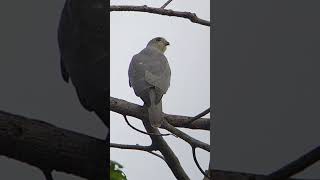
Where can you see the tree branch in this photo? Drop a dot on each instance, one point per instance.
(142, 132)
(188, 15)
(192, 141)
(231, 175)
(48, 147)
(166, 4)
(205, 112)
(297, 166)
(197, 163)
(132, 147)
(169, 156)
(126, 108)
(148, 149)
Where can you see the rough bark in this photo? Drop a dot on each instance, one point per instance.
(51, 148)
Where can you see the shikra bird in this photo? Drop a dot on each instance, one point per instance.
(149, 76)
(82, 38)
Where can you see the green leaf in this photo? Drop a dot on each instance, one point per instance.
(116, 172)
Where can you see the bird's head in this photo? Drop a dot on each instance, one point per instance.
(159, 43)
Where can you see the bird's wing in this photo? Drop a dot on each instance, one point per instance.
(149, 68)
(158, 71)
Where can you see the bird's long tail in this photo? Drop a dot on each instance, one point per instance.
(155, 110)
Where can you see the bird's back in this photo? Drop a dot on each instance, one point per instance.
(149, 68)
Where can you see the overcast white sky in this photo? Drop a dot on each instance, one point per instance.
(189, 93)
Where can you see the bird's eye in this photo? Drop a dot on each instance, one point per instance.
(158, 39)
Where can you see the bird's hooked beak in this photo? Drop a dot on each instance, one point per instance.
(167, 43)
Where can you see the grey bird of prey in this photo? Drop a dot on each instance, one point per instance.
(149, 76)
(83, 42)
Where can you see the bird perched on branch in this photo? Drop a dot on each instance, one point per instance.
(149, 76)
(82, 37)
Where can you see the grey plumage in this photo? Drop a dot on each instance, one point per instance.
(149, 76)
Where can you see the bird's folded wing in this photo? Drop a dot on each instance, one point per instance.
(162, 82)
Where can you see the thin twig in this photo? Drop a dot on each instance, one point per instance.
(197, 163)
(158, 155)
(150, 134)
(166, 4)
(192, 141)
(187, 15)
(198, 116)
(148, 149)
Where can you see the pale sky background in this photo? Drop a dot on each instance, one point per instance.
(189, 93)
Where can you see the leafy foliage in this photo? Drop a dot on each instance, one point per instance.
(116, 171)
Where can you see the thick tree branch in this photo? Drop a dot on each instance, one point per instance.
(188, 15)
(126, 108)
(169, 156)
(51, 148)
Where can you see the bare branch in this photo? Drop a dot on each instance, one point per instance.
(50, 148)
(86, 156)
(148, 149)
(132, 147)
(169, 156)
(297, 166)
(188, 15)
(192, 141)
(150, 134)
(205, 112)
(197, 163)
(126, 108)
(166, 4)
